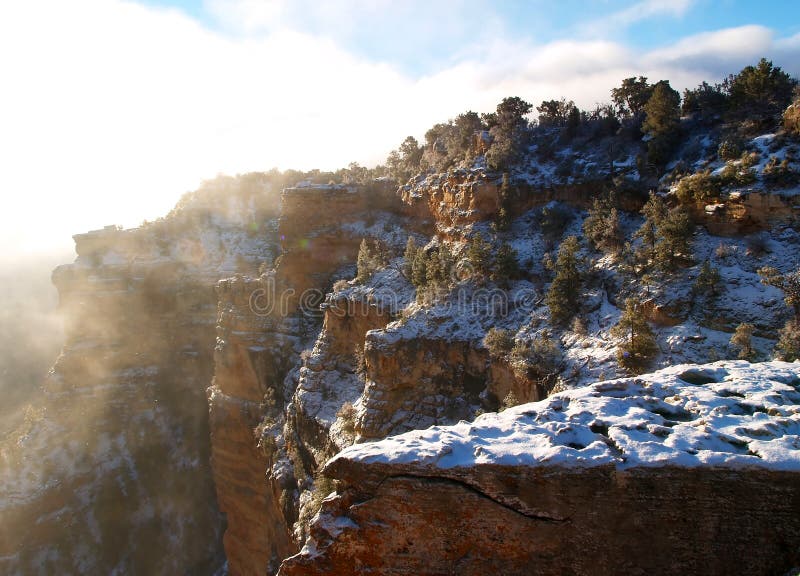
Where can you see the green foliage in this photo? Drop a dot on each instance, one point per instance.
(554, 219)
(509, 133)
(778, 174)
(705, 101)
(364, 263)
(479, 255)
(730, 149)
(743, 340)
(708, 281)
(637, 342)
(504, 213)
(789, 283)
(661, 123)
(788, 347)
(433, 268)
(698, 187)
(602, 227)
(499, 342)
(505, 265)
(631, 97)
(403, 163)
(760, 92)
(555, 113)
(538, 360)
(509, 401)
(409, 256)
(654, 211)
(662, 111)
(562, 297)
(675, 233)
(369, 260)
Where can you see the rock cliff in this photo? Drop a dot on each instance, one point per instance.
(111, 473)
(693, 469)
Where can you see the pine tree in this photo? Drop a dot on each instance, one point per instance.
(743, 340)
(654, 212)
(708, 280)
(602, 227)
(788, 347)
(479, 255)
(675, 232)
(409, 256)
(504, 212)
(562, 297)
(419, 273)
(662, 120)
(638, 343)
(506, 266)
(364, 263)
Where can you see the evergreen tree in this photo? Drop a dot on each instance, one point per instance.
(504, 212)
(602, 227)
(506, 266)
(638, 343)
(708, 280)
(409, 256)
(419, 269)
(761, 91)
(743, 340)
(662, 119)
(509, 133)
(788, 347)
(631, 96)
(654, 211)
(562, 297)
(479, 255)
(675, 233)
(365, 264)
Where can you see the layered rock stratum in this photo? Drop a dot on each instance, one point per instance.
(692, 469)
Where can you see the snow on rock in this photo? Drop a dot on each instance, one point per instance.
(730, 414)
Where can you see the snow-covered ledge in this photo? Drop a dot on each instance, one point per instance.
(729, 413)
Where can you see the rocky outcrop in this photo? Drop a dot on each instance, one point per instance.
(112, 474)
(673, 472)
(271, 411)
(250, 361)
(745, 212)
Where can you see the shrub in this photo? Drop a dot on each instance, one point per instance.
(562, 297)
(708, 281)
(499, 342)
(637, 342)
(788, 347)
(730, 149)
(699, 187)
(505, 266)
(602, 227)
(743, 340)
(347, 414)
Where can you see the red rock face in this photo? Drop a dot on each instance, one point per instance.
(259, 330)
(551, 521)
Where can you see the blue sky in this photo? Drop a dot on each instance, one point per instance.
(111, 109)
(422, 38)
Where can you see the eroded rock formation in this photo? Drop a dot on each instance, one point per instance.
(681, 471)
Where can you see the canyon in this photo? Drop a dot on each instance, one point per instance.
(228, 398)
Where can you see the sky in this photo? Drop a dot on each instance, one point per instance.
(111, 109)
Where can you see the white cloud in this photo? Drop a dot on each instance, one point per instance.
(111, 110)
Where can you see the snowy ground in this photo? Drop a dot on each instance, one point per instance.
(728, 414)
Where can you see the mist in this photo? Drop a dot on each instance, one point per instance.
(31, 332)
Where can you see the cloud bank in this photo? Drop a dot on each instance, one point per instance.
(110, 110)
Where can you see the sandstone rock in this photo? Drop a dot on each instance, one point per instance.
(693, 469)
